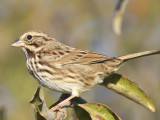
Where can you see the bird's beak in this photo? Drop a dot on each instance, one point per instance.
(17, 43)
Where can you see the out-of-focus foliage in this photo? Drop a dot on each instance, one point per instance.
(118, 16)
(85, 24)
(2, 113)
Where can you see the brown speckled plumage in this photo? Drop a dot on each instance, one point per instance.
(66, 69)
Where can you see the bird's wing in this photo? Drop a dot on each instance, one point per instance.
(82, 57)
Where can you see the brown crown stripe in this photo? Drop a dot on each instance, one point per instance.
(46, 39)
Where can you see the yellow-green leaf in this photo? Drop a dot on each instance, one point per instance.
(81, 113)
(129, 89)
(99, 111)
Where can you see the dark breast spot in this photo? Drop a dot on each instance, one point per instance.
(87, 84)
(45, 63)
(30, 53)
(31, 72)
(39, 56)
(45, 70)
(42, 63)
(81, 80)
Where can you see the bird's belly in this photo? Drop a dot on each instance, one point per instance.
(61, 85)
(46, 79)
(58, 80)
(52, 83)
(57, 84)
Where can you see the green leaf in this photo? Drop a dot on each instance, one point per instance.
(81, 113)
(118, 16)
(129, 89)
(37, 100)
(99, 111)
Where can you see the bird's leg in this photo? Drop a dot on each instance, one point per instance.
(58, 106)
(75, 93)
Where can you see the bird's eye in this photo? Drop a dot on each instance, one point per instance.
(29, 37)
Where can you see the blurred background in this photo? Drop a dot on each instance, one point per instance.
(84, 24)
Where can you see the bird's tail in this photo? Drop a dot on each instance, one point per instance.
(137, 55)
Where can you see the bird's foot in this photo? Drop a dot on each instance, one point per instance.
(58, 108)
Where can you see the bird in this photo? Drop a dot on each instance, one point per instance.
(66, 69)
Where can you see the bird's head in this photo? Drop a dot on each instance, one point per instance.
(31, 40)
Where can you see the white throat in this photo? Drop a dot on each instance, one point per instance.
(25, 52)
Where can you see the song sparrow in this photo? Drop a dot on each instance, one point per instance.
(66, 69)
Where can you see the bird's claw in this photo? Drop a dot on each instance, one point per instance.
(58, 108)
